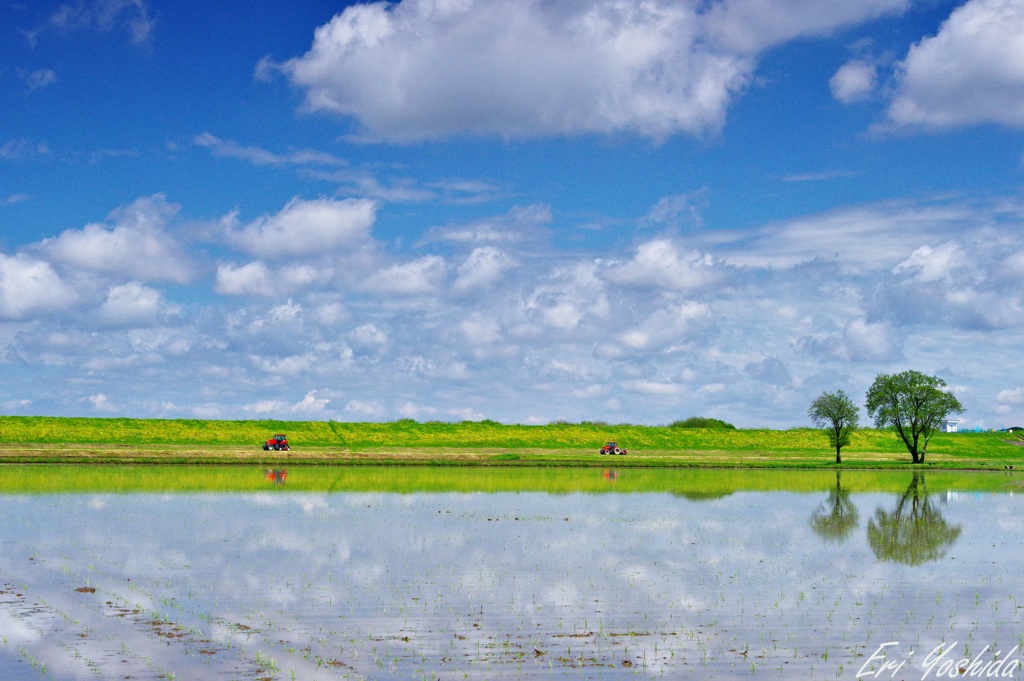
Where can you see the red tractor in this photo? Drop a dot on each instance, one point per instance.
(278, 443)
(612, 448)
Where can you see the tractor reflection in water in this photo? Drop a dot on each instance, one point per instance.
(278, 476)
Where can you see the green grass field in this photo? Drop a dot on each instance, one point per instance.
(70, 440)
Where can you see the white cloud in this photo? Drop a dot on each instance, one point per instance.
(258, 156)
(863, 341)
(266, 406)
(570, 295)
(659, 264)
(1011, 396)
(680, 210)
(854, 81)
(100, 402)
(137, 246)
(466, 414)
(368, 337)
(133, 304)
(39, 79)
(676, 324)
(550, 331)
(409, 410)
(412, 278)
(755, 25)
(99, 15)
(311, 403)
(1012, 266)
(29, 287)
(257, 279)
(290, 365)
(867, 237)
(480, 330)
(16, 150)
(519, 224)
(365, 408)
(251, 279)
(927, 264)
(652, 387)
(971, 71)
(309, 227)
(482, 269)
(330, 313)
(427, 69)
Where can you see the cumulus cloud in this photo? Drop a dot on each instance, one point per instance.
(1011, 396)
(710, 315)
(250, 279)
(258, 279)
(482, 269)
(569, 296)
(659, 264)
(29, 287)
(138, 245)
(969, 72)
(649, 387)
(311, 403)
(928, 264)
(854, 81)
(368, 337)
(862, 341)
(429, 69)
(371, 409)
(290, 365)
(307, 227)
(412, 278)
(101, 403)
(480, 330)
(330, 313)
(133, 304)
(674, 325)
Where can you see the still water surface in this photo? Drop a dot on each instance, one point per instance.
(300, 583)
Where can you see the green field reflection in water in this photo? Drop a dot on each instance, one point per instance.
(325, 573)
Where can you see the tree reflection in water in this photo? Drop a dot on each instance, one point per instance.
(836, 518)
(914, 532)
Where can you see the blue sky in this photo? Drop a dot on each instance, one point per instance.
(522, 210)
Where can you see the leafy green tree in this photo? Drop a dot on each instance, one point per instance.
(838, 415)
(914, 404)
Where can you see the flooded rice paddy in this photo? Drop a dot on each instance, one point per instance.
(894, 576)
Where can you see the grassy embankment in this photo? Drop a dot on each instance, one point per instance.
(87, 440)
